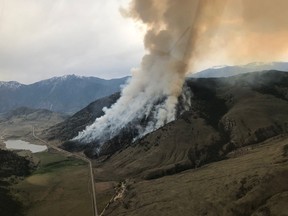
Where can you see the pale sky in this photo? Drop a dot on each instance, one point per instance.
(40, 39)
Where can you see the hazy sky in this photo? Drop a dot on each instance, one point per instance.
(40, 39)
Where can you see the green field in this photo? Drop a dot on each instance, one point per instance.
(59, 186)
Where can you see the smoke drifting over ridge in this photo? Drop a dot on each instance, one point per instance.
(178, 34)
(246, 31)
(155, 87)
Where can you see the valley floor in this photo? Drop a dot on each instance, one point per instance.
(60, 186)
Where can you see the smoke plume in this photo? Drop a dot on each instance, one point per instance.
(180, 33)
(246, 31)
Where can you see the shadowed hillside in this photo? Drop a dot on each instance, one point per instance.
(69, 128)
(221, 157)
(225, 114)
(11, 166)
(234, 112)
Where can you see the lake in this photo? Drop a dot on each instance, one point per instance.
(23, 145)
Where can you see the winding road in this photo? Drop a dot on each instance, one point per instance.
(94, 204)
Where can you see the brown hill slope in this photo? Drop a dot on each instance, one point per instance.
(218, 104)
(227, 155)
(251, 181)
(225, 114)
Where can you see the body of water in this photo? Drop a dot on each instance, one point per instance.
(23, 145)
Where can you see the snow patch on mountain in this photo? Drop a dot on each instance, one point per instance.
(10, 85)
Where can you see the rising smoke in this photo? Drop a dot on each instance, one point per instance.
(155, 87)
(178, 31)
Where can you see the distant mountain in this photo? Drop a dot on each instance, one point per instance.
(10, 85)
(220, 106)
(227, 71)
(18, 123)
(26, 113)
(66, 94)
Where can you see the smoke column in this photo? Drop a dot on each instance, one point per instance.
(179, 31)
(169, 42)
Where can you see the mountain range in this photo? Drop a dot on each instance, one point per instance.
(226, 155)
(70, 93)
(226, 71)
(220, 106)
(66, 94)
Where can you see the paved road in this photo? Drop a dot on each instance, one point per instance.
(95, 212)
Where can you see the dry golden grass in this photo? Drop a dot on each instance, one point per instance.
(252, 181)
(104, 192)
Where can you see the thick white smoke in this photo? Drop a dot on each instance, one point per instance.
(154, 89)
(174, 28)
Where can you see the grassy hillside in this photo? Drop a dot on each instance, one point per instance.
(70, 127)
(226, 155)
(20, 122)
(251, 181)
(59, 186)
(225, 114)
